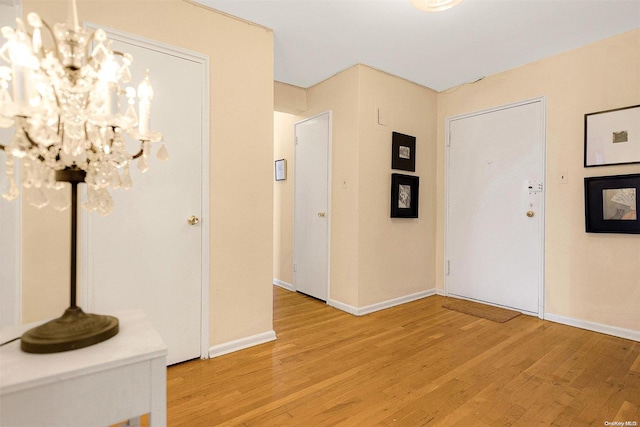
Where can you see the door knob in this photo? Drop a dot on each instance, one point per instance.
(193, 220)
(530, 214)
(321, 214)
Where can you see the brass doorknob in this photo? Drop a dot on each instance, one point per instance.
(530, 214)
(322, 214)
(193, 220)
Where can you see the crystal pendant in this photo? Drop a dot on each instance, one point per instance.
(130, 117)
(143, 164)
(36, 198)
(19, 145)
(91, 204)
(5, 122)
(105, 202)
(162, 154)
(13, 192)
(58, 199)
(115, 179)
(125, 179)
(125, 74)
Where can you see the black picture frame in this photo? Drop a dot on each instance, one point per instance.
(403, 152)
(611, 204)
(404, 195)
(612, 137)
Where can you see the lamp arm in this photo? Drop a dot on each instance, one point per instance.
(53, 38)
(33, 143)
(138, 154)
(87, 52)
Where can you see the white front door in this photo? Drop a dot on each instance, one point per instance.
(495, 206)
(311, 206)
(145, 254)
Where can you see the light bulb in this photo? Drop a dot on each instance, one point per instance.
(109, 70)
(145, 91)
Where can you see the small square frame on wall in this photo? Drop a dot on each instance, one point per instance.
(281, 169)
(612, 137)
(404, 196)
(403, 152)
(611, 204)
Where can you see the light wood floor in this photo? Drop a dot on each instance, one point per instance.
(411, 365)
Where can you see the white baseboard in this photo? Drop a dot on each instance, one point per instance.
(360, 311)
(342, 306)
(441, 292)
(285, 285)
(230, 347)
(629, 334)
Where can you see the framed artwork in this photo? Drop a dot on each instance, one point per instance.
(611, 204)
(281, 170)
(404, 196)
(403, 152)
(612, 137)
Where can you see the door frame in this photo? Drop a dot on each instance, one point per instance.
(329, 181)
(87, 220)
(542, 100)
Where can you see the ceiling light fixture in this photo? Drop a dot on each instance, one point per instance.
(434, 5)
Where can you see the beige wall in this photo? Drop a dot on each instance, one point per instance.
(396, 255)
(283, 141)
(340, 95)
(241, 129)
(590, 277)
(374, 258)
(289, 99)
(45, 261)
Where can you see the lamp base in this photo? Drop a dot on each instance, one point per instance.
(74, 329)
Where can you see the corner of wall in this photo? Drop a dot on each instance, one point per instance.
(289, 98)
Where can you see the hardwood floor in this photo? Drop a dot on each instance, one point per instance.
(412, 365)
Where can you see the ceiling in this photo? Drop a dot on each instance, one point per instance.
(315, 39)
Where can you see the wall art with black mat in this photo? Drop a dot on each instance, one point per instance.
(611, 204)
(403, 152)
(404, 196)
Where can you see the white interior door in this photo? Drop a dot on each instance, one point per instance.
(10, 211)
(311, 206)
(495, 206)
(145, 254)
(10, 243)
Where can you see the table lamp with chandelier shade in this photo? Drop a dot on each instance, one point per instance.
(73, 116)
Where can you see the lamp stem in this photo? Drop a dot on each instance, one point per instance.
(75, 328)
(73, 177)
(74, 244)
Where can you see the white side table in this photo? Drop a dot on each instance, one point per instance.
(115, 380)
